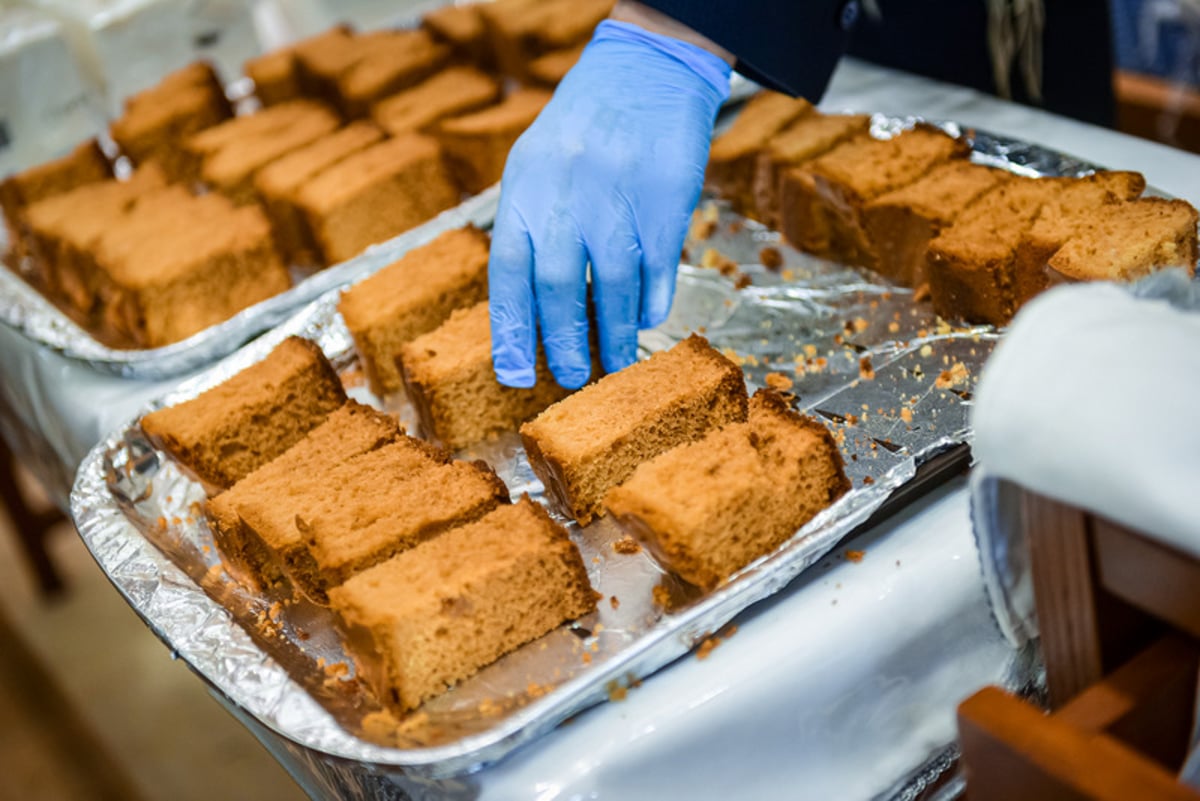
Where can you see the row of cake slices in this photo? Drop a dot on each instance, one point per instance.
(334, 497)
(916, 209)
(361, 137)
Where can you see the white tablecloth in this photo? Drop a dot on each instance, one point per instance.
(835, 688)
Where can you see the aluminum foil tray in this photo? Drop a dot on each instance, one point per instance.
(891, 380)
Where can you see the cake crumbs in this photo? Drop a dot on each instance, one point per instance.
(860, 325)
(893, 327)
(535, 690)
(788, 275)
(926, 351)
(614, 602)
(866, 371)
(615, 691)
(736, 227)
(712, 641)
(855, 556)
(957, 374)
(353, 378)
(770, 258)
(742, 281)
(906, 415)
(713, 259)
(778, 382)
(868, 481)
(662, 596)
(922, 293)
(489, 708)
(626, 545)
(586, 658)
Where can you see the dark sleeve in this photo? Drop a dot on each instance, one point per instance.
(787, 45)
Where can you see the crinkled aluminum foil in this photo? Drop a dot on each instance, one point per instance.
(891, 380)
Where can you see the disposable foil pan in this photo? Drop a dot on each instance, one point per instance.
(891, 380)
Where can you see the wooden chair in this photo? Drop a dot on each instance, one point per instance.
(1119, 617)
(30, 526)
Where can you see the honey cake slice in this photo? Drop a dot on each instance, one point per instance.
(376, 194)
(429, 618)
(156, 122)
(453, 91)
(449, 378)
(731, 159)
(970, 264)
(1127, 241)
(550, 69)
(593, 440)
(322, 62)
(807, 137)
(172, 269)
(63, 231)
(372, 521)
(278, 183)
(234, 428)
(522, 30)
(349, 431)
(411, 57)
(706, 509)
(269, 513)
(276, 74)
(85, 164)
(850, 176)
(1058, 220)
(477, 144)
(899, 224)
(411, 297)
(462, 28)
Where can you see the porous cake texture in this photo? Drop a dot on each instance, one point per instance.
(260, 502)
(276, 74)
(522, 30)
(1127, 241)
(372, 521)
(731, 159)
(476, 145)
(708, 508)
(322, 64)
(232, 429)
(376, 194)
(411, 297)
(899, 224)
(449, 378)
(408, 59)
(593, 440)
(435, 615)
(158, 120)
(453, 91)
(182, 263)
(278, 185)
(807, 137)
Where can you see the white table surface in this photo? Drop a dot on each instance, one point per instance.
(835, 688)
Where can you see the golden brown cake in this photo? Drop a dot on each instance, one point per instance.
(156, 122)
(476, 145)
(375, 194)
(276, 74)
(321, 64)
(522, 30)
(257, 501)
(449, 377)
(900, 223)
(804, 220)
(593, 440)
(372, 521)
(269, 513)
(433, 616)
(731, 160)
(457, 90)
(462, 28)
(807, 137)
(234, 428)
(970, 264)
(63, 231)
(411, 57)
(706, 509)
(1057, 221)
(1127, 241)
(279, 182)
(550, 69)
(848, 177)
(411, 297)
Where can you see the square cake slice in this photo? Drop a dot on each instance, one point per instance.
(372, 521)
(457, 90)
(522, 30)
(450, 380)
(706, 509)
(410, 57)
(349, 431)
(229, 431)
(731, 160)
(462, 28)
(477, 144)
(1127, 241)
(593, 440)
(411, 297)
(433, 616)
(276, 74)
(376, 194)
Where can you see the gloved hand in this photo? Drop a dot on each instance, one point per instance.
(608, 174)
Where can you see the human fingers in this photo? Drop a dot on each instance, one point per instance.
(560, 289)
(511, 301)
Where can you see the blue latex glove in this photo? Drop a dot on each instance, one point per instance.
(608, 174)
